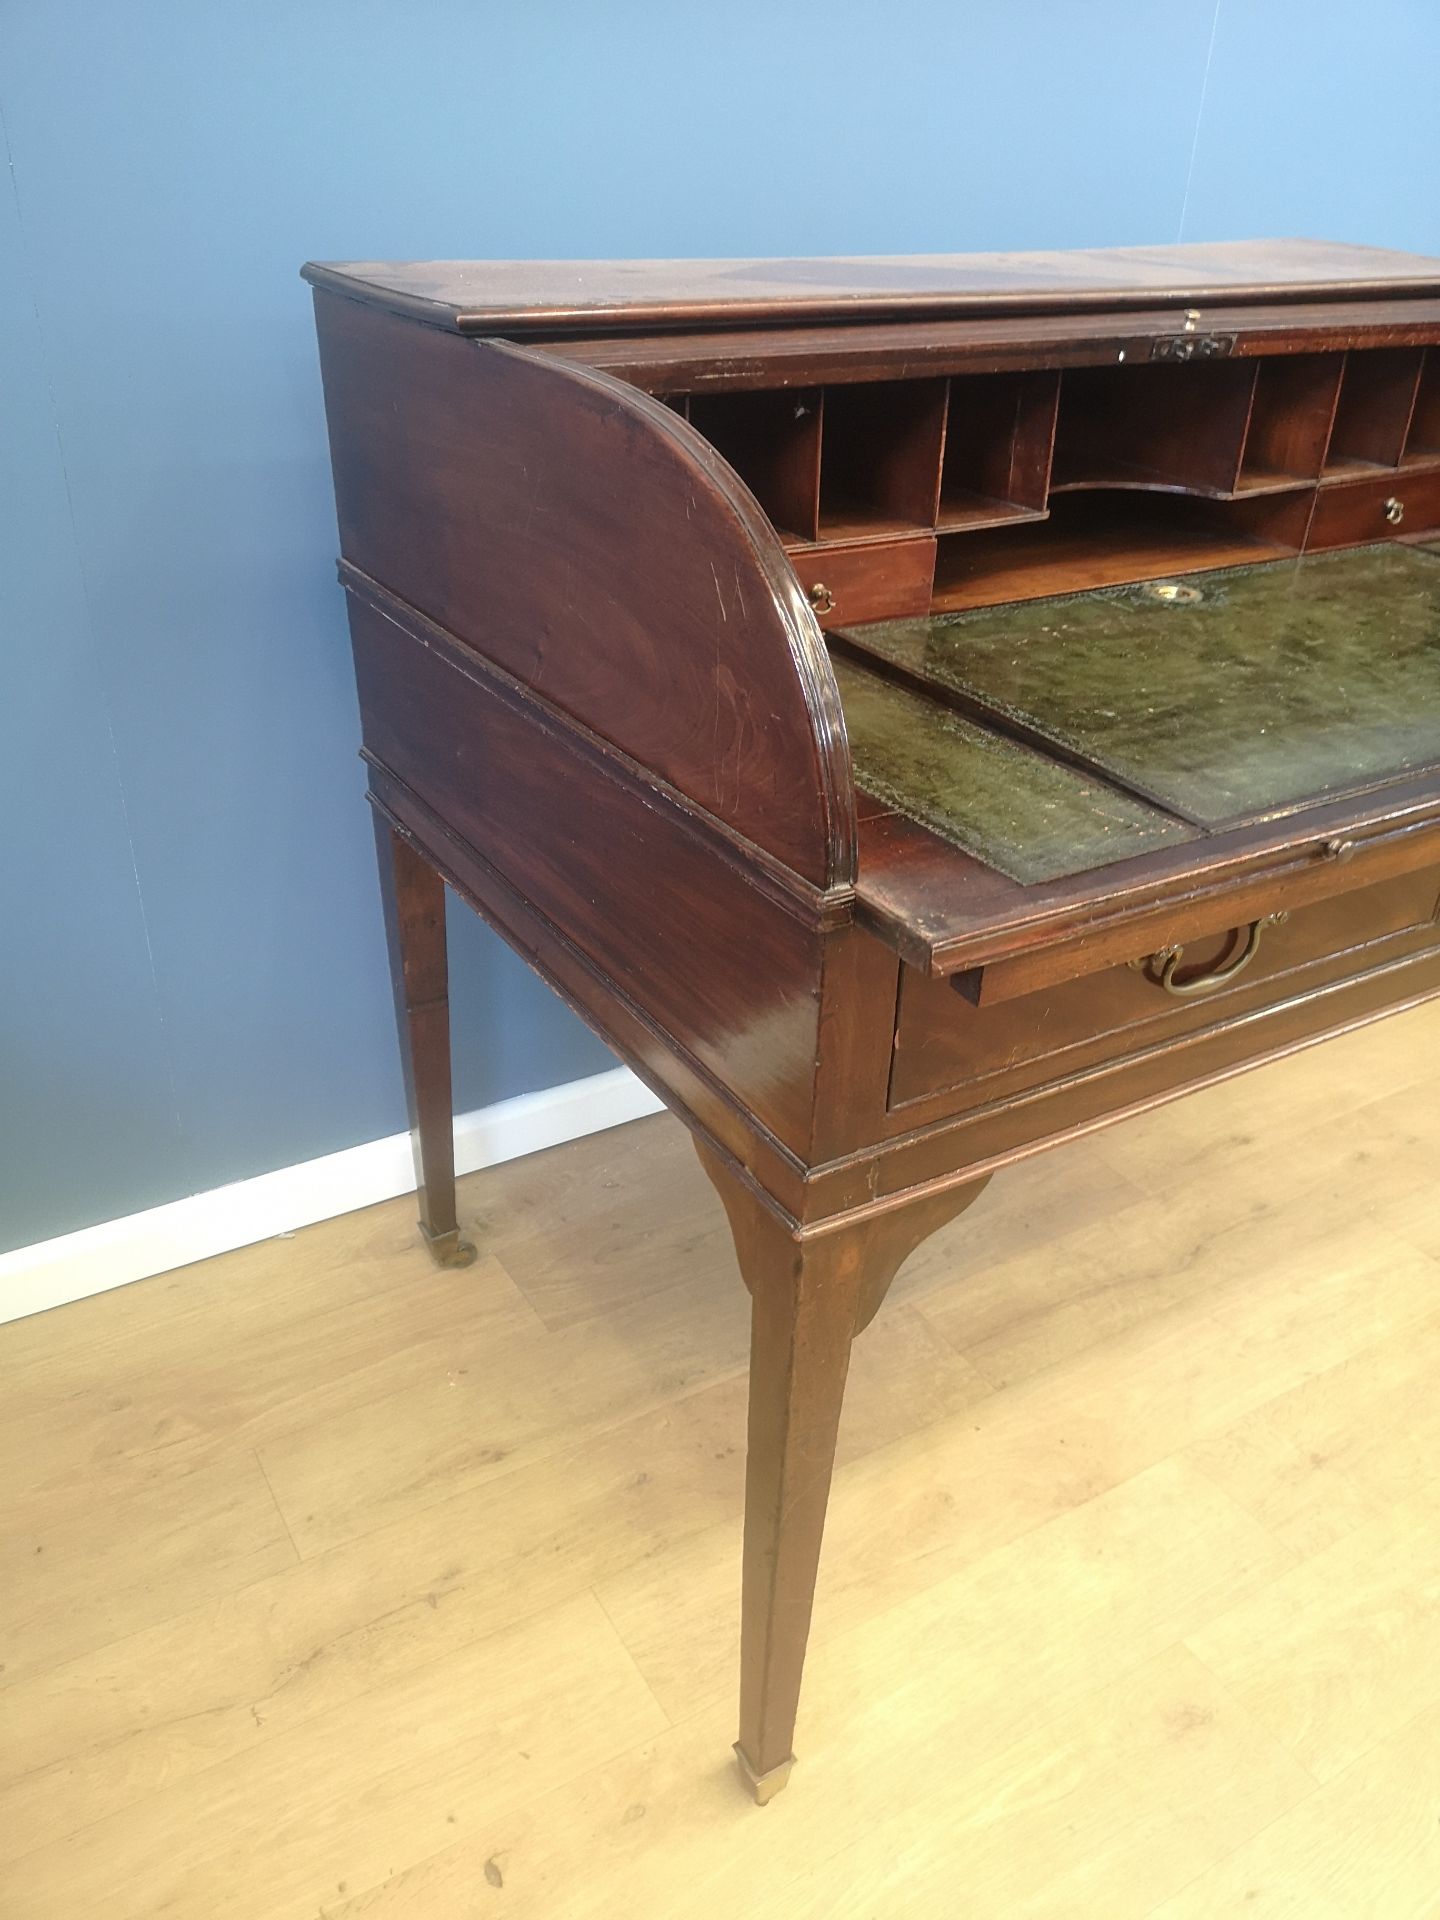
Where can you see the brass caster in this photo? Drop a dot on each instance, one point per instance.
(449, 1249)
(764, 1786)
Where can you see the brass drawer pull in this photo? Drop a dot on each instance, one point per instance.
(821, 598)
(1394, 510)
(1166, 962)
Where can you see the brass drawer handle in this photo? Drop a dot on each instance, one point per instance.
(1394, 510)
(821, 598)
(1166, 962)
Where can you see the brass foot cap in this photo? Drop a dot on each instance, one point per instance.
(448, 1249)
(763, 1786)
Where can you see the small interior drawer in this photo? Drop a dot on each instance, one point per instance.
(945, 1041)
(866, 580)
(1383, 509)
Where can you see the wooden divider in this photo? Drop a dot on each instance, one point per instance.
(772, 439)
(999, 438)
(972, 488)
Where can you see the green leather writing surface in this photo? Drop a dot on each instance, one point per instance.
(1014, 809)
(1251, 691)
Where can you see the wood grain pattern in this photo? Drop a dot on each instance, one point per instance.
(780, 354)
(1358, 511)
(1028, 1582)
(1363, 1848)
(475, 295)
(505, 781)
(943, 1040)
(186, 1537)
(596, 701)
(864, 581)
(810, 1297)
(659, 610)
(413, 895)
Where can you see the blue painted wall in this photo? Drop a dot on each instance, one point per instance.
(191, 980)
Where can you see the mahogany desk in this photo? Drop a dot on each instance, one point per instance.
(915, 710)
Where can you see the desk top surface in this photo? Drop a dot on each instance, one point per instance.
(518, 296)
(1050, 737)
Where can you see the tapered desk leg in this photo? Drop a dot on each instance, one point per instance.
(414, 897)
(810, 1295)
(803, 1306)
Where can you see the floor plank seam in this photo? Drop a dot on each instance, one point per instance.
(624, 1646)
(1319, 1445)
(279, 1510)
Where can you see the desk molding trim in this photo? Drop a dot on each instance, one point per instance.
(815, 907)
(683, 1082)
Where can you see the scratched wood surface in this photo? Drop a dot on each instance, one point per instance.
(335, 1584)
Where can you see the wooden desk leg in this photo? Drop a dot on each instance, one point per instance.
(810, 1294)
(414, 897)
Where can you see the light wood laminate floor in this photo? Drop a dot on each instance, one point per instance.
(336, 1585)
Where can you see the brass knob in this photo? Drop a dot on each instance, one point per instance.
(821, 598)
(1394, 510)
(1339, 850)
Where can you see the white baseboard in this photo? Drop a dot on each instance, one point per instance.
(116, 1252)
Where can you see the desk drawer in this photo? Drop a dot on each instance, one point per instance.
(868, 580)
(944, 1043)
(1385, 509)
